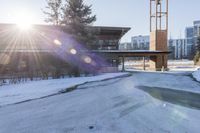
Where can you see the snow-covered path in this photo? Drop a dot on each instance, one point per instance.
(113, 106)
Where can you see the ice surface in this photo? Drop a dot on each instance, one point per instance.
(113, 106)
(10, 94)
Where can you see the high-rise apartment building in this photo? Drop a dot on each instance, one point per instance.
(178, 48)
(191, 35)
(140, 42)
(196, 31)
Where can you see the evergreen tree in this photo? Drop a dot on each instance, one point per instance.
(77, 16)
(53, 11)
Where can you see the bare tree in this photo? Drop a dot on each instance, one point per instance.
(53, 11)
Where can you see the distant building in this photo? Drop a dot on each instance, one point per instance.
(185, 48)
(140, 42)
(171, 48)
(125, 46)
(189, 35)
(137, 43)
(178, 47)
(196, 30)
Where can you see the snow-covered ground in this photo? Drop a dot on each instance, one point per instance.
(181, 65)
(181, 62)
(10, 94)
(170, 62)
(173, 65)
(196, 75)
(112, 106)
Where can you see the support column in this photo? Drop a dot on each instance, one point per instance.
(158, 62)
(144, 64)
(152, 63)
(123, 65)
(165, 62)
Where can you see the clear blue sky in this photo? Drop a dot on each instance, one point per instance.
(129, 13)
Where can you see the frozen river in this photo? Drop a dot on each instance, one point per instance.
(141, 103)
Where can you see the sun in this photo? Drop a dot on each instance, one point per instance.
(24, 26)
(24, 20)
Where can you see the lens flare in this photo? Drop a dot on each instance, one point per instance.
(73, 51)
(57, 42)
(87, 60)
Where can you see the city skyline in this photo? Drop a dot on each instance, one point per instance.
(129, 13)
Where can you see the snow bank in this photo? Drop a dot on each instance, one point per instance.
(196, 75)
(10, 94)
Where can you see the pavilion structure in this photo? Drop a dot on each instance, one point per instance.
(158, 52)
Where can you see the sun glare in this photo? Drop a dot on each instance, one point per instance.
(24, 20)
(24, 26)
